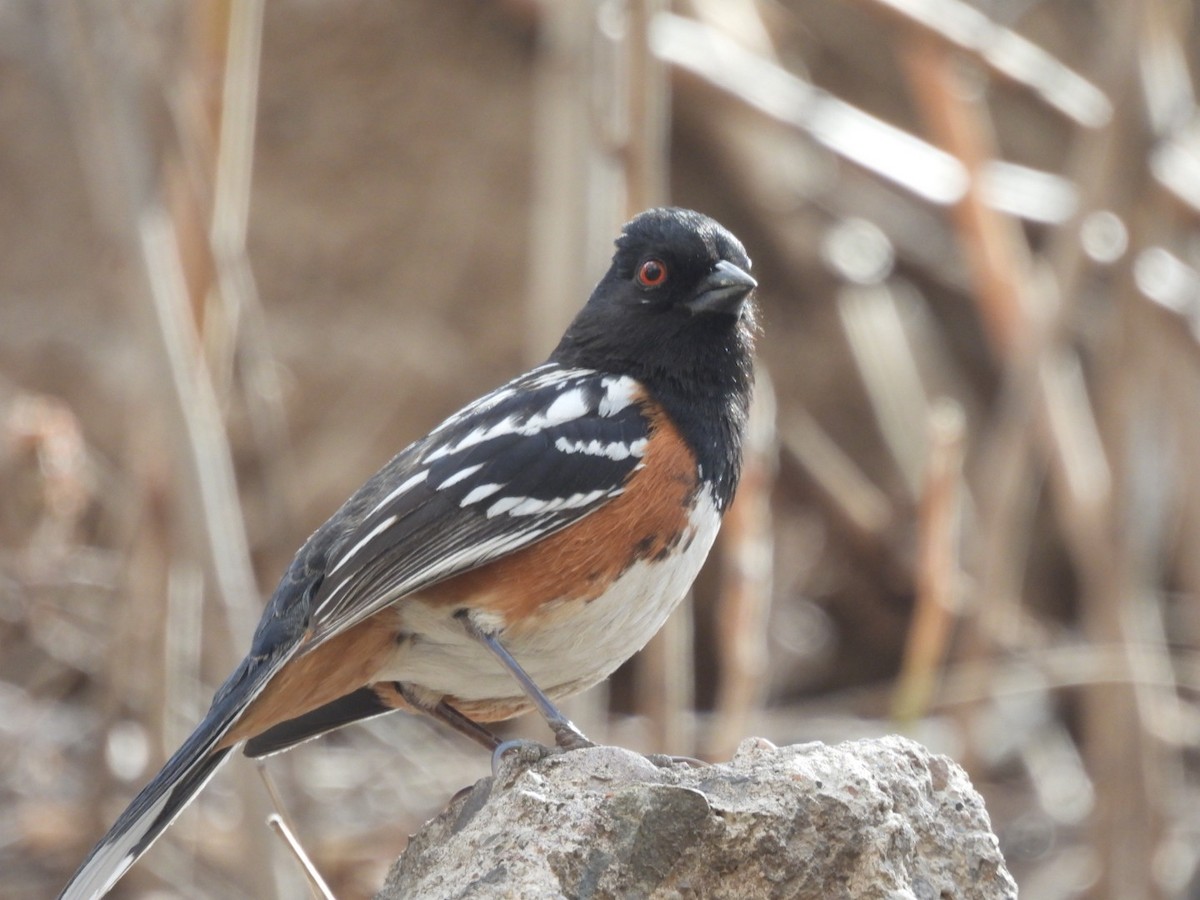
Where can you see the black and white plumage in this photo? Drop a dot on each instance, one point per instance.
(519, 552)
(525, 460)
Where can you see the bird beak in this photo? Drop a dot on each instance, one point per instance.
(723, 290)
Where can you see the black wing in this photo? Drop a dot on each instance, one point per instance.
(522, 462)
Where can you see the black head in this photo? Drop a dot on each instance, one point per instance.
(675, 311)
(677, 292)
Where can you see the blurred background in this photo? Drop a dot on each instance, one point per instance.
(249, 251)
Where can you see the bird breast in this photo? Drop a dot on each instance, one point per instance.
(565, 643)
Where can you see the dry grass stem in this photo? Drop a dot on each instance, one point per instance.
(937, 571)
(316, 883)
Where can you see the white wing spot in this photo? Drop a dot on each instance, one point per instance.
(459, 476)
(618, 394)
(531, 505)
(566, 406)
(483, 404)
(480, 493)
(385, 524)
(503, 505)
(558, 376)
(507, 425)
(406, 485)
(615, 451)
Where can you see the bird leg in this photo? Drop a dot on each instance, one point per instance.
(566, 735)
(446, 713)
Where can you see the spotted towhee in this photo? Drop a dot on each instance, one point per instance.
(522, 550)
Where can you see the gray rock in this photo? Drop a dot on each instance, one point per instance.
(880, 819)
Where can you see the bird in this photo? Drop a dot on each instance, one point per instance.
(519, 552)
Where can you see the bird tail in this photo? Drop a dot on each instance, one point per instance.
(151, 811)
(173, 788)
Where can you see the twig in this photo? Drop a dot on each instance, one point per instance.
(937, 573)
(851, 497)
(237, 289)
(888, 369)
(995, 248)
(282, 825)
(316, 883)
(649, 112)
(204, 432)
(761, 84)
(578, 189)
(1007, 54)
(239, 108)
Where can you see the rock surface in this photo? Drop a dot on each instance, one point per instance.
(866, 819)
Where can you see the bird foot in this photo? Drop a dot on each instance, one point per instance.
(568, 737)
(528, 751)
(665, 761)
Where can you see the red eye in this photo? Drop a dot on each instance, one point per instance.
(652, 273)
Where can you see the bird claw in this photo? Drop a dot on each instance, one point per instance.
(516, 744)
(663, 761)
(568, 737)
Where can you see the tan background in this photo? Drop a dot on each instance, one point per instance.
(408, 219)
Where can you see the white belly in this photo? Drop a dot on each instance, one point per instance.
(568, 647)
